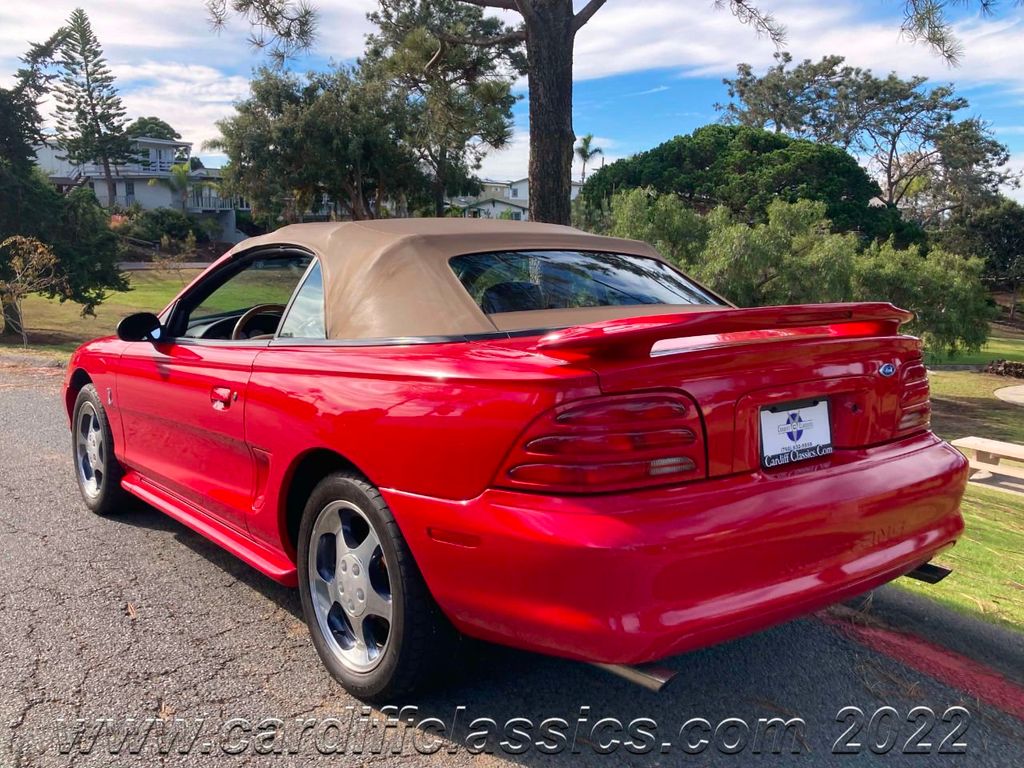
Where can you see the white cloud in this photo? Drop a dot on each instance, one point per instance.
(513, 161)
(696, 39)
(191, 97)
(650, 91)
(1016, 164)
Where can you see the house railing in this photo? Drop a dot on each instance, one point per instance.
(137, 168)
(211, 201)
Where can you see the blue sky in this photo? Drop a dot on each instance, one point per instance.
(645, 71)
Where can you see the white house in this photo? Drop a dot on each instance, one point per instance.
(498, 199)
(143, 181)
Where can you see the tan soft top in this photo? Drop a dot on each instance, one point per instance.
(390, 278)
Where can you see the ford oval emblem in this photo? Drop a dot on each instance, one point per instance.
(887, 369)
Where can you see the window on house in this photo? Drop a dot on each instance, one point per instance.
(515, 191)
(129, 187)
(517, 216)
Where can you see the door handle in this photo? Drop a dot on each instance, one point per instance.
(222, 397)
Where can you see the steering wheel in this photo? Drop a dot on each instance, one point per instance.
(246, 318)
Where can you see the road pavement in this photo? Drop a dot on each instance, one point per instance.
(137, 617)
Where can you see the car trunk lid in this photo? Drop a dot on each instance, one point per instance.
(734, 363)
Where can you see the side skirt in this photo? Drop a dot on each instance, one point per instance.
(261, 557)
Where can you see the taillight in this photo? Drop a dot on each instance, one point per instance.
(616, 442)
(915, 408)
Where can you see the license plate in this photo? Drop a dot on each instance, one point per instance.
(794, 432)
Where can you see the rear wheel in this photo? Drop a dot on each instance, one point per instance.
(96, 468)
(370, 615)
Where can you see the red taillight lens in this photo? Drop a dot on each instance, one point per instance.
(915, 408)
(615, 442)
(578, 445)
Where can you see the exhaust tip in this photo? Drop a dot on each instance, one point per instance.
(930, 573)
(650, 676)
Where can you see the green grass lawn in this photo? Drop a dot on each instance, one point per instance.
(988, 561)
(1004, 343)
(57, 329)
(963, 404)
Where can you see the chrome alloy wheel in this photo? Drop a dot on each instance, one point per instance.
(90, 451)
(350, 586)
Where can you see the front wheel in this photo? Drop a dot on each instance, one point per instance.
(96, 468)
(372, 620)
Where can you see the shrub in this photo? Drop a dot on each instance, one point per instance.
(154, 224)
(794, 257)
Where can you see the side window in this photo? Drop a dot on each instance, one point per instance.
(305, 319)
(263, 281)
(216, 307)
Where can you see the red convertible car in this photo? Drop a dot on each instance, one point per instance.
(521, 433)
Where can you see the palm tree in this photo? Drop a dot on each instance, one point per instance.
(178, 183)
(181, 182)
(586, 152)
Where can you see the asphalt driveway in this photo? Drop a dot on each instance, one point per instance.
(137, 617)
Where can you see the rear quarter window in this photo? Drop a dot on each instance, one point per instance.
(523, 281)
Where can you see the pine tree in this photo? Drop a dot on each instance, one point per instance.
(90, 116)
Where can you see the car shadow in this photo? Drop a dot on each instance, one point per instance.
(141, 515)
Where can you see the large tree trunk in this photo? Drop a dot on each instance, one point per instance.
(549, 42)
(12, 317)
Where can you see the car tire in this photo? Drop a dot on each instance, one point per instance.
(348, 582)
(97, 469)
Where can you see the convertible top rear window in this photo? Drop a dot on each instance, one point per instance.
(521, 281)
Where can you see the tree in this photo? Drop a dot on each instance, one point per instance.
(944, 291)
(744, 169)
(27, 266)
(995, 234)
(811, 100)
(153, 128)
(793, 256)
(548, 30)
(460, 95)
(586, 152)
(338, 135)
(73, 227)
(178, 182)
(21, 126)
(665, 221)
(90, 116)
(926, 161)
(967, 170)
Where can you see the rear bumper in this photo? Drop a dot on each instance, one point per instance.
(630, 578)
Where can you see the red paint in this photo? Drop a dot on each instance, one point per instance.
(603, 563)
(947, 667)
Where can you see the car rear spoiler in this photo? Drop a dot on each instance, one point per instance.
(637, 336)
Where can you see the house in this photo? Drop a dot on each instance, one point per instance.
(501, 199)
(147, 181)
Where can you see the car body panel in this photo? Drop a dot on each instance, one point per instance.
(630, 578)
(433, 419)
(183, 408)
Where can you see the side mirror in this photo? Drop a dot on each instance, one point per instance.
(142, 326)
